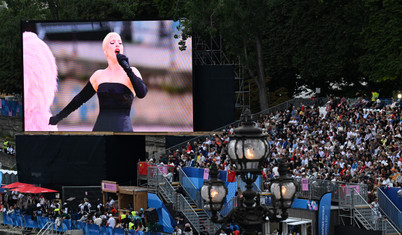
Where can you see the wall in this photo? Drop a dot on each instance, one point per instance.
(10, 126)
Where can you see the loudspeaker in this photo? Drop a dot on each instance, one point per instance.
(151, 215)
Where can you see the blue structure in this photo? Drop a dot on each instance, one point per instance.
(11, 108)
(26, 221)
(196, 178)
(391, 204)
(166, 221)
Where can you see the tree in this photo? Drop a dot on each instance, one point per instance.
(285, 43)
(10, 41)
(237, 23)
(381, 61)
(317, 41)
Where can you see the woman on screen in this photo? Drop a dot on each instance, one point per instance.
(116, 87)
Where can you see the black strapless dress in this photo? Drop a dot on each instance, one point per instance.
(115, 100)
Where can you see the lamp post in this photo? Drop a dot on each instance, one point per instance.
(249, 150)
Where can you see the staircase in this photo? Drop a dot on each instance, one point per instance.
(47, 228)
(197, 217)
(193, 197)
(362, 214)
(202, 216)
(365, 216)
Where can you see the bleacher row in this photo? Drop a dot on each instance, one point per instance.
(25, 221)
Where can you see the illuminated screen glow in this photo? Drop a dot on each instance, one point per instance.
(77, 50)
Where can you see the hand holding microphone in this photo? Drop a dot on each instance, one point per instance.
(139, 86)
(123, 61)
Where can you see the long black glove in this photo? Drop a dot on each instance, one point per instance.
(140, 88)
(85, 94)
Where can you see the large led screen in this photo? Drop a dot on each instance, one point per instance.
(107, 76)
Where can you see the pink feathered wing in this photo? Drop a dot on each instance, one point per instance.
(40, 83)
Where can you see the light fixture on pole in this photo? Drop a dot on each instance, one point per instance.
(249, 150)
(214, 192)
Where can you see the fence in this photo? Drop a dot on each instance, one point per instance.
(25, 221)
(312, 188)
(190, 188)
(363, 212)
(389, 208)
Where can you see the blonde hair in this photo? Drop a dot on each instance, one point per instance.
(107, 37)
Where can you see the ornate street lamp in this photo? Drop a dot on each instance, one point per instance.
(249, 150)
(283, 191)
(214, 192)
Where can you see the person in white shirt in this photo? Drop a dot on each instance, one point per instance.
(388, 182)
(110, 204)
(98, 221)
(87, 204)
(81, 206)
(111, 222)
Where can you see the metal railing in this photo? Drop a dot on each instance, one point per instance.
(46, 228)
(317, 187)
(189, 212)
(156, 179)
(228, 207)
(389, 209)
(364, 212)
(164, 188)
(190, 188)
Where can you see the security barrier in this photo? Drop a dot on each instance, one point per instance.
(26, 221)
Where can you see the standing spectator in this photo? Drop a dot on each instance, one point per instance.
(187, 229)
(177, 231)
(100, 207)
(376, 210)
(87, 205)
(111, 222)
(110, 203)
(5, 145)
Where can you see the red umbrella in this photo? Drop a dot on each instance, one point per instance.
(34, 190)
(17, 185)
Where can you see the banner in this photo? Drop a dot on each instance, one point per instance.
(163, 169)
(349, 189)
(304, 184)
(142, 168)
(324, 213)
(231, 176)
(206, 173)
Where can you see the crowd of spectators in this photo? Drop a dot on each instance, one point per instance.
(35, 205)
(353, 141)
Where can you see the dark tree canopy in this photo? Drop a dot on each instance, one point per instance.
(340, 46)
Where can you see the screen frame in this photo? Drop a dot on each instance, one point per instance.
(25, 26)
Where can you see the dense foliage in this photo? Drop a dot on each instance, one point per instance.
(344, 47)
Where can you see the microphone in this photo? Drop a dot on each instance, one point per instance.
(123, 62)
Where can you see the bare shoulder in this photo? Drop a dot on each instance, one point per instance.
(95, 78)
(97, 74)
(136, 72)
